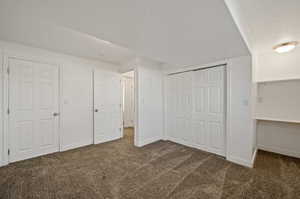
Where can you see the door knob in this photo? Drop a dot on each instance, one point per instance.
(96, 110)
(55, 114)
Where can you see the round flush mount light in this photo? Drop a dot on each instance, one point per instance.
(285, 47)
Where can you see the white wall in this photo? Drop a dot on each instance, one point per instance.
(76, 120)
(278, 100)
(1, 108)
(279, 137)
(149, 87)
(240, 128)
(274, 66)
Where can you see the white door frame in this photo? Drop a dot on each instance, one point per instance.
(124, 78)
(136, 108)
(135, 98)
(6, 56)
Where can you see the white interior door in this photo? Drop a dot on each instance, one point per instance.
(33, 103)
(107, 106)
(208, 110)
(128, 101)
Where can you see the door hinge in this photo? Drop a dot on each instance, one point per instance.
(8, 111)
(8, 71)
(8, 152)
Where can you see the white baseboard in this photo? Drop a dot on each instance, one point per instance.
(192, 145)
(286, 152)
(144, 142)
(244, 162)
(108, 139)
(254, 157)
(2, 163)
(130, 126)
(75, 145)
(240, 161)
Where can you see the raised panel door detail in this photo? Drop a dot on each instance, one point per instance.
(33, 98)
(46, 127)
(199, 131)
(26, 136)
(107, 105)
(200, 99)
(196, 106)
(215, 99)
(215, 135)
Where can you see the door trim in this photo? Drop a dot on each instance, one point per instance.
(13, 55)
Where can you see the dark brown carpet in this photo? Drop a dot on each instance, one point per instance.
(160, 170)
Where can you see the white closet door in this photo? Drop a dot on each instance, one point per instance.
(128, 112)
(107, 106)
(33, 102)
(180, 109)
(208, 111)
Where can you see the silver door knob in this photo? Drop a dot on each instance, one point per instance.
(55, 114)
(96, 110)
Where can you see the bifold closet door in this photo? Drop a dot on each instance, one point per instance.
(179, 107)
(34, 109)
(208, 110)
(107, 106)
(195, 109)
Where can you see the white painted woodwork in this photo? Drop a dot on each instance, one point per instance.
(128, 101)
(107, 106)
(76, 94)
(195, 109)
(208, 111)
(33, 100)
(77, 106)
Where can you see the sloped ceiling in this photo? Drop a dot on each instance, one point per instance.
(266, 23)
(176, 32)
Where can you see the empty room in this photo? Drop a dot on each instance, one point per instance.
(140, 99)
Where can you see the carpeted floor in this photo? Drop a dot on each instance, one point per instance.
(158, 171)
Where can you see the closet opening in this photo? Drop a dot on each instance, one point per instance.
(128, 108)
(196, 108)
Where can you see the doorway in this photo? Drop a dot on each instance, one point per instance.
(128, 109)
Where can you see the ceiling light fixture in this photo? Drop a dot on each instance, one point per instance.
(106, 42)
(285, 47)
